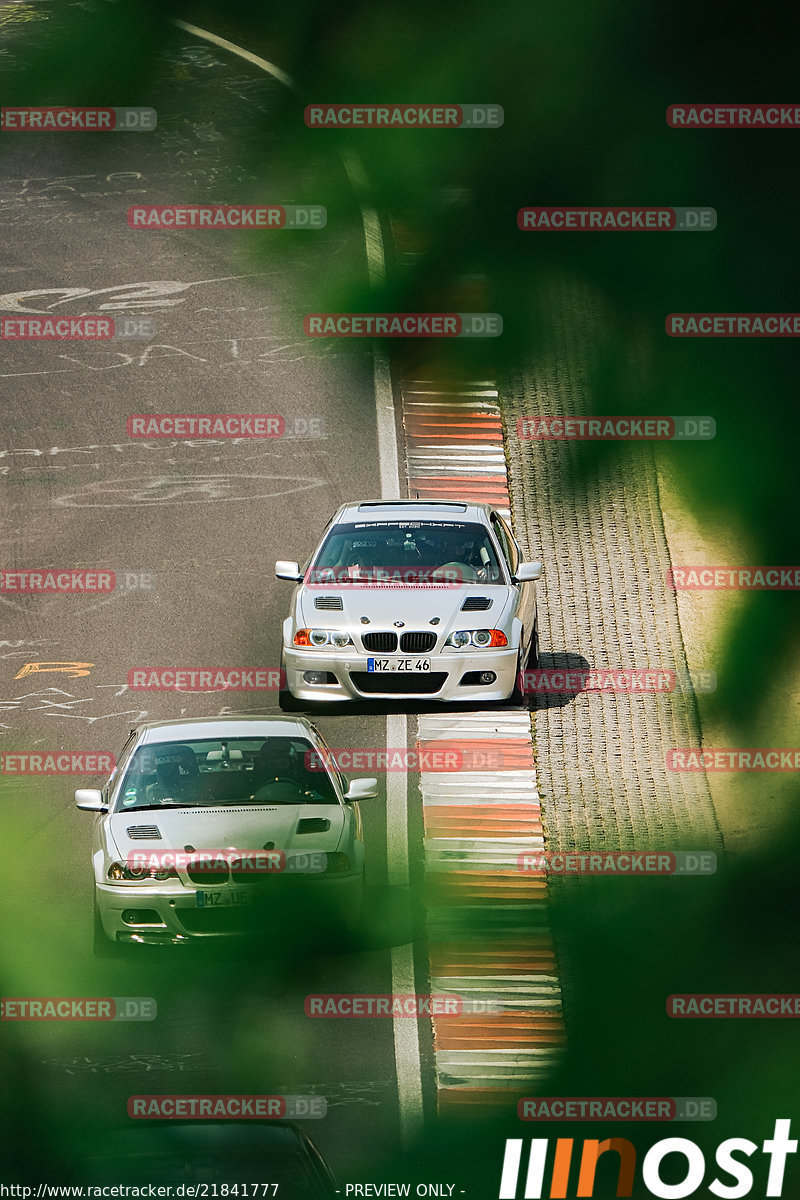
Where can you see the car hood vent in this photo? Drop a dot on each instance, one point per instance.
(328, 603)
(313, 825)
(138, 833)
(476, 604)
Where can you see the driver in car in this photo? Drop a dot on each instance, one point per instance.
(280, 767)
(465, 564)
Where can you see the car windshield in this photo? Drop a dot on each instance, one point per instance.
(214, 772)
(432, 553)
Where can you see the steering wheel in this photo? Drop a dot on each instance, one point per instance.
(173, 800)
(466, 573)
(269, 783)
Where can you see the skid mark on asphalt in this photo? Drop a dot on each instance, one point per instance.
(140, 1063)
(192, 489)
(337, 1093)
(57, 702)
(184, 450)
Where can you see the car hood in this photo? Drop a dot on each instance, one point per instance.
(415, 606)
(241, 827)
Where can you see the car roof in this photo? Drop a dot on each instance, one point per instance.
(273, 1134)
(463, 510)
(147, 1140)
(188, 728)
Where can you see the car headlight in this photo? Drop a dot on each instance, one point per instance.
(121, 873)
(336, 863)
(322, 637)
(479, 639)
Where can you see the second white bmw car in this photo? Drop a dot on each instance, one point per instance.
(224, 826)
(411, 598)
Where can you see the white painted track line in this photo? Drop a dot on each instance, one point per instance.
(240, 51)
(406, 1034)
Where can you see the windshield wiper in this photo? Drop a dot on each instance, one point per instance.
(129, 808)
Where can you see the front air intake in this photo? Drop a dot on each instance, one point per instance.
(380, 643)
(417, 643)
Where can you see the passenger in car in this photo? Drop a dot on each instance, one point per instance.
(173, 784)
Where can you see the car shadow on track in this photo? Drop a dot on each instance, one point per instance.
(540, 679)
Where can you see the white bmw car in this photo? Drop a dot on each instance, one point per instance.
(411, 598)
(213, 827)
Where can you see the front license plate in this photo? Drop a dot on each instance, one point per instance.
(224, 898)
(384, 665)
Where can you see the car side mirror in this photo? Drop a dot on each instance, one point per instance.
(288, 570)
(91, 799)
(362, 789)
(528, 572)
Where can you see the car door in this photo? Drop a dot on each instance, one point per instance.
(526, 592)
(353, 823)
(99, 846)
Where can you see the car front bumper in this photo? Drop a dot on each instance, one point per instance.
(169, 913)
(447, 671)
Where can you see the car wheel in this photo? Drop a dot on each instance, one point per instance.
(356, 923)
(517, 696)
(102, 947)
(533, 652)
